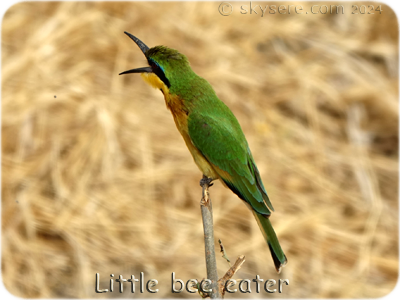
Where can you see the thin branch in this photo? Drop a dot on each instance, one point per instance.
(206, 213)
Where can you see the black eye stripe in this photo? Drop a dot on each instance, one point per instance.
(159, 72)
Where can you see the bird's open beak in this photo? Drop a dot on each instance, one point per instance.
(144, 49)
(138, 70)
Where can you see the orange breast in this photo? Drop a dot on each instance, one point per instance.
(180, 114)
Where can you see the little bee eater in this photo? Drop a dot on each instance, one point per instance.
(211, 133)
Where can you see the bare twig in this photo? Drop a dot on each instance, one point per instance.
(211, 263)
(224, 253)
(228, 275)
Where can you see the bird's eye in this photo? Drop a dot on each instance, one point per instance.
(154, 66)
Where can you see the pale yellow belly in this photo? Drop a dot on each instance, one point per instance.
(201, 162)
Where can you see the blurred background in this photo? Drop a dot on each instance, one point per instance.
(96, 178)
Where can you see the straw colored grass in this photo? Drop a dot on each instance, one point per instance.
(96, 178)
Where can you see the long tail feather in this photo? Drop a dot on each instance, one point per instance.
(268, 232)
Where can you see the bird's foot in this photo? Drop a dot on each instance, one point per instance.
(206, 181)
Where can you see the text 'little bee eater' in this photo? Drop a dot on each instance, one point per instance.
(211, 132)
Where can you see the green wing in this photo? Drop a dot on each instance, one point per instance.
(221, 141)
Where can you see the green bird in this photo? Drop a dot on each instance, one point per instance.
(211, 132)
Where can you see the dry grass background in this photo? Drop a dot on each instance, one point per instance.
(96, 178)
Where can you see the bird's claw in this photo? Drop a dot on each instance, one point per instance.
(206, 181)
